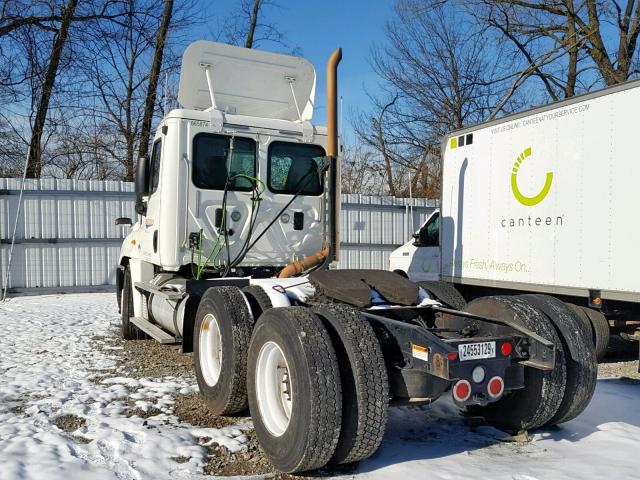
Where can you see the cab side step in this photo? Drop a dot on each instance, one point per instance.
(164, 293)
(154, 331)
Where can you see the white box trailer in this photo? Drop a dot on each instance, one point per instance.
(541, 201)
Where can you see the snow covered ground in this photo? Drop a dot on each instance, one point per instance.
(65, 413)
(48, 365)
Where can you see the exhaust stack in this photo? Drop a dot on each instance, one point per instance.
(332, 102)
(332, 153)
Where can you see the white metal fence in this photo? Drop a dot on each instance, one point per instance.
(66, 239)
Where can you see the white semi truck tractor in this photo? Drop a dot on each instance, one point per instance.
(542, 201)
(230, 257)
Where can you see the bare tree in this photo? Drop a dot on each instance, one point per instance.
(606, 32)
(107, 71)
(154, 74)
(360, 172)
(13, 150)
(438, 74)
(115, 64)
(249, 27)
(253, 23)
(34, 168)
(44, 14)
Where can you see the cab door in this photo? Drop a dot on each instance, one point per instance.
(148, 246)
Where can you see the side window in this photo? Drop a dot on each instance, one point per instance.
(156, 155)
(218, 157)
(295, 167)
(429, 235)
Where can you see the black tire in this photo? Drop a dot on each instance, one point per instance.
(128, 329)
(535, 404)
(258, 300)
(601, 332)
(365, 383)
(578, 354)
(582, 315)
(313, 429)
(445, 293)
(226, 305)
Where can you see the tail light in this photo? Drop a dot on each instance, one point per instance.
(506, 349)
(495, 387)
(461, 391)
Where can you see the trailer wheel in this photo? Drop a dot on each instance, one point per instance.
(578, 354)
(294, 389)
(222, 333)
(258, 300)
(539, 400)
(582, 315)
(365, 383)
(599, 337)
(445, 293)
(600, 329)
(129, 330)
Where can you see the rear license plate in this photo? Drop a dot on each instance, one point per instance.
(475, 351)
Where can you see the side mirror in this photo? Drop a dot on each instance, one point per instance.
(142, 183)
(421, 238)
(142, 176)
(124, 221)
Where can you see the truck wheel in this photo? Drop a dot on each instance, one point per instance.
(258, 300)
(445, 293)
(294, 390)
(222, 333)
(599, 338)
(365, 383)
(578, 354)
(129, 330)
(539, 400)
(601, 333)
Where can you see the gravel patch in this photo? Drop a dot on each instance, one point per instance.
(191, 408)
(621, 360)
(620, 366)
(145, 358)
(69, 423)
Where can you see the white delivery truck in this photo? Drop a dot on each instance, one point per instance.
(542, 201)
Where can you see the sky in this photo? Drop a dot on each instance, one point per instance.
(317, 28)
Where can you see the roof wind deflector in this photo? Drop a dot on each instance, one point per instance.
(246, 82)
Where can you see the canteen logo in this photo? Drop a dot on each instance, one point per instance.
(523, 199)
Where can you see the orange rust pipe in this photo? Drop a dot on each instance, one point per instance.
(332, 102)
(296, 268)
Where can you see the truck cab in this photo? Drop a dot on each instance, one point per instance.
(235, 184)
(419, 258)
